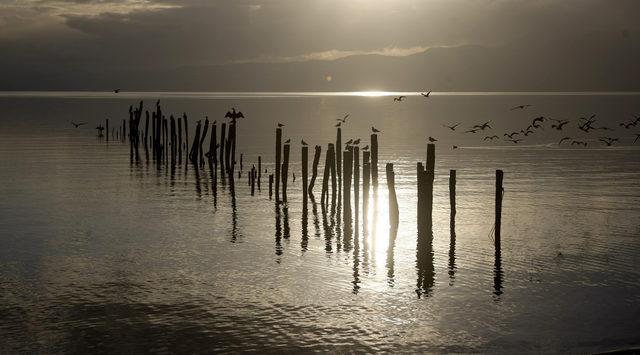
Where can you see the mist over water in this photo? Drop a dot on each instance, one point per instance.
(97, 253)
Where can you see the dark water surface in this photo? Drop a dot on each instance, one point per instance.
(100, 254)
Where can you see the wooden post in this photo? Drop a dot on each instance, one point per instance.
(347, 161)
(193, 154)
(124, 130)
(499, 193)
(213, 141)
(430, 171)
(202, 138)
(232, 134)
(259, 170)
(356, 181)
(325, 179)
(173, 139)
(305, 173)
(107, 128)
(394, 214)
(285, 171)
(452, 200)
(270, 186)
(179, 140)
(331, 151)
(186, 133)
(223, 131)
(241, 166)
(366, 181)
(253, 180)
(146, 127)
(278, 157)
(316, 160)
(339, 152)
(374, 161)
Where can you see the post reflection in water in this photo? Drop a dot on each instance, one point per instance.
(424, 263)
(278, 233)
(304, 242)
(452, 257)
(497, 273)
(214, 183)
(234, 210)
(393, 232)
(316, 220)
(196, 174)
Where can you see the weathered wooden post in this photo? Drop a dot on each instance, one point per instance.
(241, 166)
(107, 129)
(356, 181)
(332, 170)
(232, 134)
(366, 181)
(204, 135)
(270, 186)
(179, 140)
(259, 170)
(452, 200)
(223, 131)
(278, 157)
(314, 173)
(347, 162)
(339, 152)
(430, 171)
(325, 179)
(146, 127)
(193, 154)
(305, 173)
(394, 214)
(285, 171)
(499, 193)
(124, 130)
(213, 141)
(186, 134)
(374, 162)
(253, 180)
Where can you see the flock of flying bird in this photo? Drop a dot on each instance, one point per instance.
(586, 125)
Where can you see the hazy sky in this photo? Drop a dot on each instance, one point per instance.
(49, 35)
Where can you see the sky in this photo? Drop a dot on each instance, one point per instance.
(67, 43)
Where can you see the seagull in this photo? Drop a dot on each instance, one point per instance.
(338, 124)
(637, 137)
(579, 143)
(77, 124)
(491, 137)
(431, 139)
(608, 141)
(399, 98)
(471, 131)
(374, 130)
(560, 124)
(343, 119)
(233, 115)
(116, 91)
(563, 139)
(349, 142)
(287, 141)
(303, 142)
(280, 124)
(453, 128)
(521, 107)
(536, 120)
(100, 129)
(425, 95)
(366, 147)
(527, 132)
(516, 141)
(510, 135)
(454, 147)
(356, 142)
(483, 126)
(627, 125)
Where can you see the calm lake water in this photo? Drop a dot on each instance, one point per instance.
(100, 254)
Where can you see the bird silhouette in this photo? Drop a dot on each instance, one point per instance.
(348, 142)
(356, 142)
(471, 131)
(399, 98)
(287, 141)
(344, 119)
(116, 91)
(431, 139)
(76, 125)
(454, 147)
(425, 95)
(563, 139)
(578, 143)
(366, 147)
(374, 130)
(560, 124)
(491, 137)
(453, 128)
(100, 129)
(535, 121)
(510, 135)
(520, 107)
(280, 124)
(516, 141)
(303, 142)
(338, 124)
(483, 126)
(607, 140)
(637, 137)
(233, 115)
(628, 125)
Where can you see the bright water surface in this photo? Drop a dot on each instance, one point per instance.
(97, 254)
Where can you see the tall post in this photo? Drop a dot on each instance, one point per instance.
(347, 161)
(452, 200)
(366, 181)
(179, 140)
(186, 134)
(430, 169)
(374, 161)
(270, 186)
(278, 158)
(285, 170)
(107, 128)
(394, 214)
(305, 168)
(232, 133)
(213, 141)
(259, 170)
(325, 179)
(499, 193)
(223, 131)
(314, 173)
(356, 180)
(332, 170)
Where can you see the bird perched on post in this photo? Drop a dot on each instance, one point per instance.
(431, 139)
(366, 147)
(356, 142)
(233, 115)
(303, 142)
(343, 119)
(280, 124)
(375, 130)
(287, 141)
(425, 95)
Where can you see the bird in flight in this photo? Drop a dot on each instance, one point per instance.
(483, 126)
(563, 139)
(510, 135)
(343, 119)
(560, 124)
(399, 98)
(280, 124)
(627, 125)
(607, 140)
(76, 125)
(431, 139)
(516, 141)
(579, 143)
(303, 142)
(453, 128)
(116, 91)
(375, 130)
(338, 124)
(520, 107)
(471, 131)
(535, 121)
(425, 95)
(527, 132)
(233, 114)
(637, 137)
(491, 137)
(287, 141)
